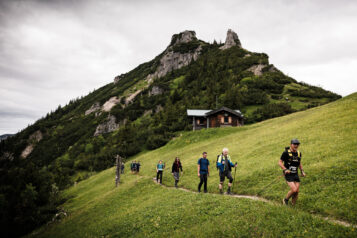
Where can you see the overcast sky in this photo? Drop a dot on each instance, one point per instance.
(54, 51)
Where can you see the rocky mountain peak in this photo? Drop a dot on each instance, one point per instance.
(174, 58)
(183, 37)
(231, 40)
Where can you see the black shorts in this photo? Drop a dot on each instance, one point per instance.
(223, 175)
(292, 178)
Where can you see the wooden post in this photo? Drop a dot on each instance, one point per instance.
(118, 168)
(193, 123)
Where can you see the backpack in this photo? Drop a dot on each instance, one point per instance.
(217, 161)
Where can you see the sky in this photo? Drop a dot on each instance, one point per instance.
(55, 51)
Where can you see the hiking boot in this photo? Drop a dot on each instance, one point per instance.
(221, 191)
(285, 201)
(229, 191)
(205, 191)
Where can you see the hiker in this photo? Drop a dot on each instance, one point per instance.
(159, 170)
(289, 162)
(203, 171)
(176, 166)
(132, 166)
(138, 166)
(122, 167)
(224, 164)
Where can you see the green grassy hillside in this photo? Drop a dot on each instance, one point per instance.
(140, 208)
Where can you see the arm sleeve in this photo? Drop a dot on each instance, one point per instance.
(181, 166)
(172, 170)
(199, 161)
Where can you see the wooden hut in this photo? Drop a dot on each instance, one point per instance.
(221, 117)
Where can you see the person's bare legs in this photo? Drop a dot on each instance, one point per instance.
(292, 190)
(296, 194)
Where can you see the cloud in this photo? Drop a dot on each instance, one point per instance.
(54, 51)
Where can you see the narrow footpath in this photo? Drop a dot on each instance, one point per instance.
(257, 198)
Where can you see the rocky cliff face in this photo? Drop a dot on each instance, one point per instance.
(172, 59)
(231, 40)
(94, 108)
(33, 139)
(107, 127)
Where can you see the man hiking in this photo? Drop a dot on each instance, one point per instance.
(132, 167)
(138, 167)
(159, 170)
(122, 167)
(224, 164)
(203, 171)
(289, 162)
(176, 166)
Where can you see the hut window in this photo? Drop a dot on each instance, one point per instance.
(226, 119)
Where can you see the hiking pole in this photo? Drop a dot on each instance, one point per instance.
(234, 180)
(275, 180)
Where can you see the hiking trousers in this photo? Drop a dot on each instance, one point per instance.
(159, 176)
(203, 180)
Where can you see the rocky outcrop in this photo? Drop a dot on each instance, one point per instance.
(132, 96)
(27, 151)
(109, 126)
(32, 140)
(156, 90)
(183, 37)
(118, 78)
(94, 108)
(158, 108)
(36, 137)
(231, 40)
(257, 69)
(7, 156)
(108, 105)
(147, 112)
(172, 60)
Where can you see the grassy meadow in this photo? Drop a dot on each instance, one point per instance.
(140, 208)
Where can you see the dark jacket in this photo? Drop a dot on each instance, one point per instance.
(176, 167)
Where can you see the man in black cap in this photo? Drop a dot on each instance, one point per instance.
(289, 162)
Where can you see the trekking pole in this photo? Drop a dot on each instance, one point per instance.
(234, 180)
(275, 180)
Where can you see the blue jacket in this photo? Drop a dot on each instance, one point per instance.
(221, 166)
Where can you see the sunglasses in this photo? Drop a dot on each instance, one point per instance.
(296, 144)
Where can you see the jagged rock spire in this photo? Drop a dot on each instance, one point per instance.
(231, 40)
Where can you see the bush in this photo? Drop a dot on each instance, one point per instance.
(272, 110)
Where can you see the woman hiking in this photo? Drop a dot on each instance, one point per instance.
(176, 166)
(159, 170)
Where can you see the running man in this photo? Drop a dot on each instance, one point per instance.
(224, 164)
(203, 171)
(289, 162)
